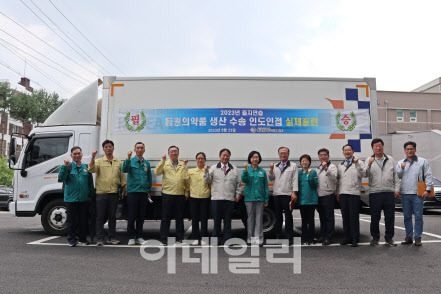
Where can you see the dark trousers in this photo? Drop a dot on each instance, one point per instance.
(172, 206)
(308, 225)
(326, 213)
(92, 219)
(106, 205)
(350, 211)
(382, 201)
(281, 205)
(222, 210)
(199, 213)
(136, 205)
(77, 222)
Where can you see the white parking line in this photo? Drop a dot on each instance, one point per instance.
(401, 228)
(40, 242)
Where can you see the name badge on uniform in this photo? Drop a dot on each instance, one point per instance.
(260, 172)
(85, 170)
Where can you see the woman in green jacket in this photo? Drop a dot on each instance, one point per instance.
(256, 197)
(308, 198)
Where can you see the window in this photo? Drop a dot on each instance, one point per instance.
(15, 129)
(43, 149)
(413, 116)
(400, 116)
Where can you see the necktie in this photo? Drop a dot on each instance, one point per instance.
(282, 166)
(225, 169)
(347, 163)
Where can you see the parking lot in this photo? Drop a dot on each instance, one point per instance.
(34, 262)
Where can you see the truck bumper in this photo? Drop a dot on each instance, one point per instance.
(12, 208)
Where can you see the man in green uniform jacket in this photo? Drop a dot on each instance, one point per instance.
(139, 183)
(78, 190)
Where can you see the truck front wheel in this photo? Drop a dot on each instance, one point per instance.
(53, 218)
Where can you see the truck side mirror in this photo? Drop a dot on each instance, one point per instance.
(12, 150)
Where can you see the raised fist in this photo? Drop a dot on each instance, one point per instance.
(245, 165)
(129, 154)
(272, 165)
(185, 162)
(66, 161)
(164, 157)
(403, 165)
(94, 153)
(206, 167)
(355, 160)
(309, 171)
(371, 160)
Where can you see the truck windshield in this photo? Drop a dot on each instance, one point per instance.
(43, 149)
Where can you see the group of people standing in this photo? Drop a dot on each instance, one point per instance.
(219, 187)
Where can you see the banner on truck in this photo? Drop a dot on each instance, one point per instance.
(241, 120)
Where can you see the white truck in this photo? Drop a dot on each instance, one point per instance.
(196, 114)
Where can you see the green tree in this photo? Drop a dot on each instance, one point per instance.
(5, 95)
(23, 107)
(35, 107)
(6, 174)
(46, 104)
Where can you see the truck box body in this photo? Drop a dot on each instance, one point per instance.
(186, 95)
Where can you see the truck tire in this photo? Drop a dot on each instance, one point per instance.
(269, 221)
(53, 218)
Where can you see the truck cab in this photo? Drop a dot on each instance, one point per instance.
(36, 186)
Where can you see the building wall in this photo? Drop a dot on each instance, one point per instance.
(7, 124)
(426, 105)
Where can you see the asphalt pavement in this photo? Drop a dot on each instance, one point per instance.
(34, 262)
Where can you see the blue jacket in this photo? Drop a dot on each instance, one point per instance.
(416, 170)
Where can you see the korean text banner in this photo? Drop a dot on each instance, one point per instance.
(241, 120)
